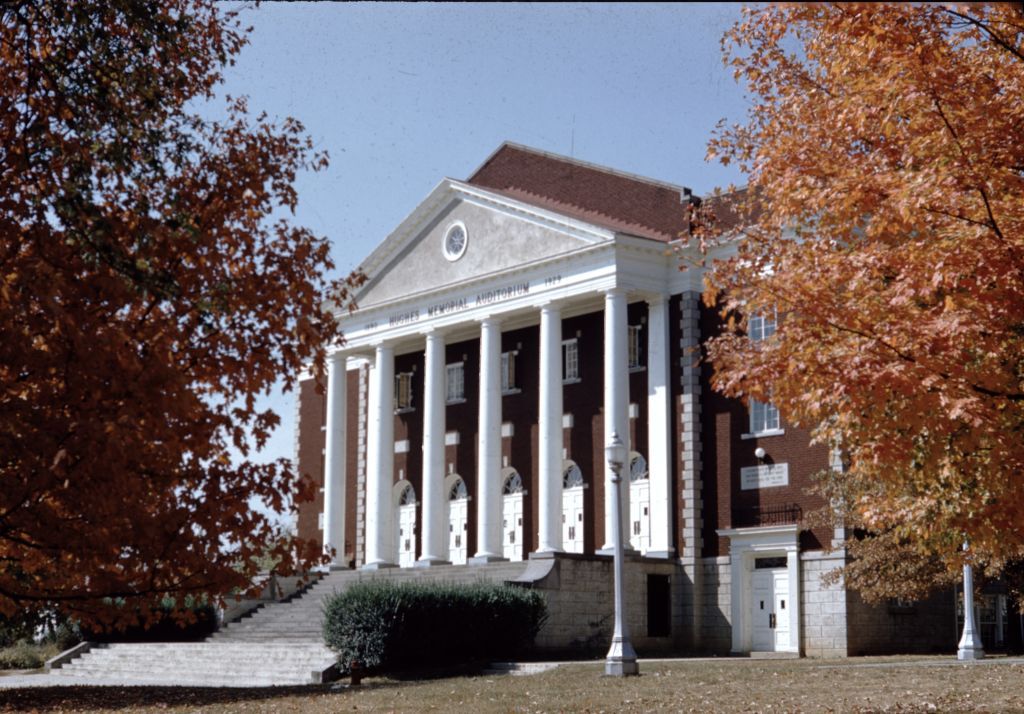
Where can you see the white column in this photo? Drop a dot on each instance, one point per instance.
(659, 429)
(435, 541)
(334, 461)
(616, 405)
(549, 423)
(380, 465)
(488, 469)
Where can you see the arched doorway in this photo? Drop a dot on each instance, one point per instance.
(458, 518)
(639, 503)
(405, 502)
(572, 508)
(512, 515)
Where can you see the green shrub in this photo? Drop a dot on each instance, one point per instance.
(388, 627)
(25, 655)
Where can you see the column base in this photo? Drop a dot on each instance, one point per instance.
(334, 567)
(544, 554)
(609, 550)
(663, 554)
(621, 668)
(379, 565)
(485, 558)
(621, 659)
(430, 562)
(969, 654)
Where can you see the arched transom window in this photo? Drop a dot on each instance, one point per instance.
(637, 468)
(408, 497)
(513, 484)
(458, 491)
(572, 477)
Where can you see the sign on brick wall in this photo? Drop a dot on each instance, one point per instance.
(764, 476)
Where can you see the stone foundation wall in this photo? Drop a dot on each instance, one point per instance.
(823, 606)
(581, 604)
(715, 597)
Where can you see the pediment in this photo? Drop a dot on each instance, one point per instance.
(501, 234)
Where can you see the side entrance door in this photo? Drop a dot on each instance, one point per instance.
(770, 605)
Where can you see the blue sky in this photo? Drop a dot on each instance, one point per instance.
(403, 95)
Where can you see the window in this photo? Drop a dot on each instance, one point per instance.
(403, 391)
(638, 468)
(635, 355)
(456, 381)
(570, 361)
(572, 477)
(764, 417)
(508, 373)
(761, 327)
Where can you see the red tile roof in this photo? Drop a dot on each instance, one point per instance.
(612, 199)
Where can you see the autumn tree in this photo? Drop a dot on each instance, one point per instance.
(884, 222)
(152, 285)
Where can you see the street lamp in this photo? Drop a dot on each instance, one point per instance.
(621, 660)
(970, 647)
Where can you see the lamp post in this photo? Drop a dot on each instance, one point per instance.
(621, 660)
(970, 647)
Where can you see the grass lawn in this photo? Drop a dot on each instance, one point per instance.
(876, 685)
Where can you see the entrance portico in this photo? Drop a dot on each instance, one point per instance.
(589, 270)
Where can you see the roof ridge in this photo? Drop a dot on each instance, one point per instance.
(683, 190)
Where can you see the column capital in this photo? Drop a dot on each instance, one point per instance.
(552, 307)
(337, 357)
(489, 320)
(655, 298)
(615, 291)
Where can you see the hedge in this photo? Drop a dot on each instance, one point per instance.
(392, 627)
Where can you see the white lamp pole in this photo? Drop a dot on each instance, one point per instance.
(970, 647)
(621, 660)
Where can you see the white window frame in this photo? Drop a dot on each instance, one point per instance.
(509, 384)
(570, 361)
(761, 327)
(403, 388)
(764, 416)
(455, 382)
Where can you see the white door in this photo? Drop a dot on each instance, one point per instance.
(572, 519)
(782, 605)
(770, 610)
(640, 515)
(512, 526)
(457, 519)
(407, 535)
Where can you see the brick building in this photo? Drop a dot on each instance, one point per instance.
(509, 326)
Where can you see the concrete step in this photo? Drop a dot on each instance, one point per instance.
(276, 644)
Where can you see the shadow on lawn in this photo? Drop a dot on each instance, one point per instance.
(70, 699)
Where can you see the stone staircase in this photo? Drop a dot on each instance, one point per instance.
(278, 644)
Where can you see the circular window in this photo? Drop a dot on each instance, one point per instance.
(455, 241)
